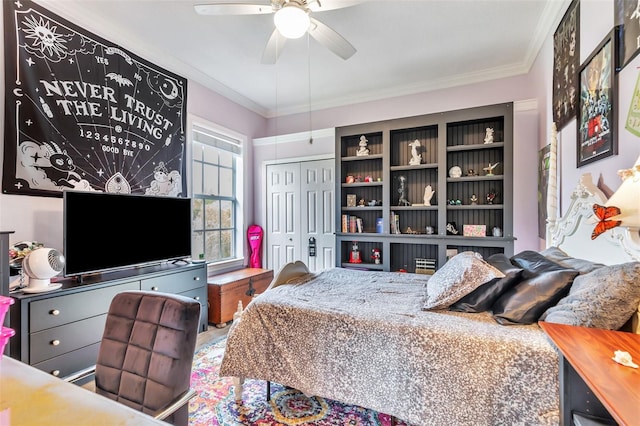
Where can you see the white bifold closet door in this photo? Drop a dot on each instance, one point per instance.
(300, 206)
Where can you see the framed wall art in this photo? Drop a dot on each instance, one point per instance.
(627, 15)
(544, 156)
(597, 113)
(566, 61)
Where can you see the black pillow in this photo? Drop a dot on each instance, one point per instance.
(544, 284)
(482, 298)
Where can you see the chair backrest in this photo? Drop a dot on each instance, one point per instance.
(147, 349)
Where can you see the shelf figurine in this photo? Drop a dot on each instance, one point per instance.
(376, 255)
(354, 255)
(488, 137)
(363, 149)
(428, 195)
(489, 168)
(455, 172)
(402, 189)
(416, 157)
(473, 199)
(451, 228)
(491, 196)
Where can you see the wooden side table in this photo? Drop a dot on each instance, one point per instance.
(225, 290)
(590, 381)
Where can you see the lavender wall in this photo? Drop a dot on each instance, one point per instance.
(532, 121)
(526, 139)
(596, 20)
(40, 218)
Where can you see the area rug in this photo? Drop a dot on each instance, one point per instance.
(215, 404)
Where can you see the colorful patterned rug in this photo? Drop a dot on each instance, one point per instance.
(214, 405)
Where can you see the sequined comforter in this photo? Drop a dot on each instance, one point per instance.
(361, 338)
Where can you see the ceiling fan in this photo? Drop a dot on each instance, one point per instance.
(292, 19)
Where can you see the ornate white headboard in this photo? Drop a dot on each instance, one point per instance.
(572, 232)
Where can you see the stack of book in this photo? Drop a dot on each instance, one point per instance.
(394, 223)
(351, 224)
(425, 266)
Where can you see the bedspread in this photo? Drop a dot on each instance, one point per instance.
(361, 338)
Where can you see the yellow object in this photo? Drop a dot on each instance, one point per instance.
(29, 396)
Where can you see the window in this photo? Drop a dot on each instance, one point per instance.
(216, 194)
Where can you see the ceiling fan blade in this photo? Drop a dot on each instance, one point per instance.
(331, 39)
(273, 48)
(232, 9)
(322, 5)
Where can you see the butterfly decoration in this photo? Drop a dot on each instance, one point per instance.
(604, 224)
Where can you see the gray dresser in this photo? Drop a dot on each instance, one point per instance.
(60, 331)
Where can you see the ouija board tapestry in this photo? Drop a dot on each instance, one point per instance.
(82, 113)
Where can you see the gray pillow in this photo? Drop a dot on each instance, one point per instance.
(583, 266)
(605, 298)
(458, 277)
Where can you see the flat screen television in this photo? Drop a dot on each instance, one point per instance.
(105, 232)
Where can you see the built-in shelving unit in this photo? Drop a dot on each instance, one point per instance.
(370, 198)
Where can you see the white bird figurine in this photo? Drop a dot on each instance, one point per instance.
(489, 169)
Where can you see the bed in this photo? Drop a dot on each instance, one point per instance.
(366, 338)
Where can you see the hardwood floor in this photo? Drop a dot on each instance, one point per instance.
(213, 333)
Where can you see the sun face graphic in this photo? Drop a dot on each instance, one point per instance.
(43, 37)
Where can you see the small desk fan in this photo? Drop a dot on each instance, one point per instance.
(41, 265)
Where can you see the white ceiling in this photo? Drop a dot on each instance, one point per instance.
(403, 47)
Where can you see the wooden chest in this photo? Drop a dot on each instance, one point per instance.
(225, 290)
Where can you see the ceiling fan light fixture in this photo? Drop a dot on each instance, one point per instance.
(292, 21)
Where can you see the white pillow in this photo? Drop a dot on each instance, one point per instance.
(458, 277)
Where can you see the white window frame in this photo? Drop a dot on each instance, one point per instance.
(205, 126)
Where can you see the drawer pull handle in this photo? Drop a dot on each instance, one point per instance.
(55, 373)
(154, 288)
(55, 312)
(196, 278)
(55, 342)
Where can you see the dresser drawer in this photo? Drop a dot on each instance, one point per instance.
(71, 362)
(178, 282)
(65, 338)
(200, 294)
(56, 311)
